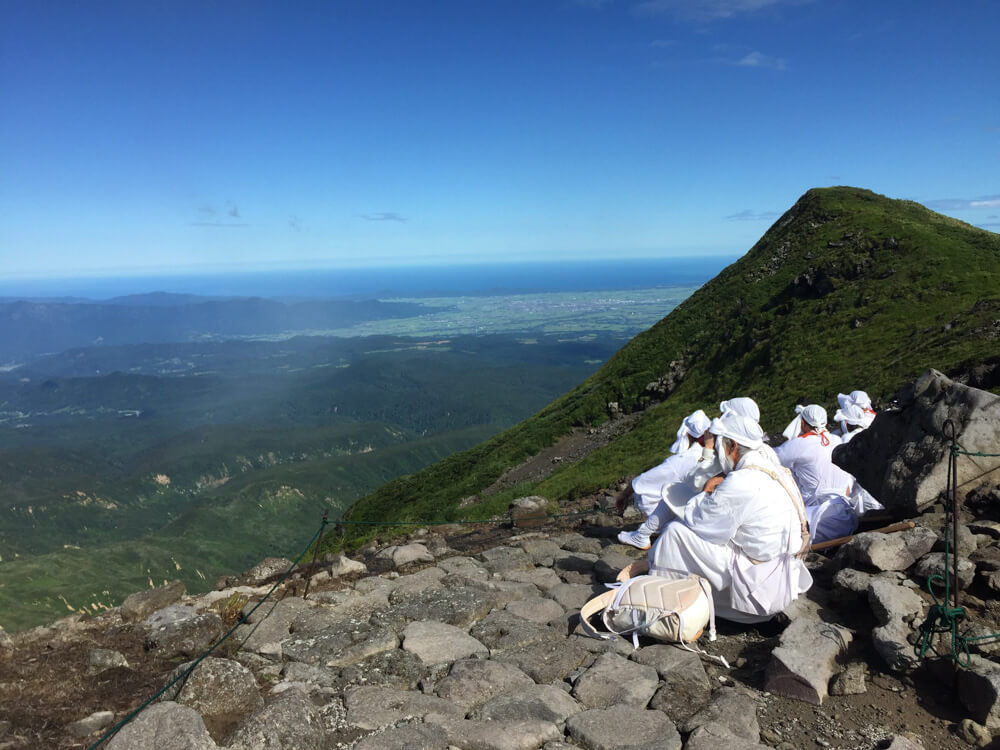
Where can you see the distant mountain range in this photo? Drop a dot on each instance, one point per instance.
(848, 289)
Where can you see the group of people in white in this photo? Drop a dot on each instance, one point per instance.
(740, 514)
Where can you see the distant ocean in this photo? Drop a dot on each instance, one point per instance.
(400, 281)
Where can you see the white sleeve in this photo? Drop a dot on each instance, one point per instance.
(713, 516)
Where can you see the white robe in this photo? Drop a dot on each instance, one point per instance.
(649, 485)
(748, 517)
(674, 497)
(811, 463)
(831, 515)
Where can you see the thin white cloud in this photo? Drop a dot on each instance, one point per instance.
(963, 204)
(748, 215)
(700, 11)
(384, 216)
(661, 43)
(757, 59)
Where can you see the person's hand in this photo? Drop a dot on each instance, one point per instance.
(714, 482)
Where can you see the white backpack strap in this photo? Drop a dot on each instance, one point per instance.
(796, 498)
(598, 604)
(707, 588)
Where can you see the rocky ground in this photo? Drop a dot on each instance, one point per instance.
(469, 638)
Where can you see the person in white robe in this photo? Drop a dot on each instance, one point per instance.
(650, 487)
(743, 537)
(834, 500)
(808, 453)
(853, 419)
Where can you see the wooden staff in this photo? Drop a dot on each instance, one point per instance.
(845, 539)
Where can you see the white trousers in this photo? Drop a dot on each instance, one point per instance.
(832, 518)
(680, 551)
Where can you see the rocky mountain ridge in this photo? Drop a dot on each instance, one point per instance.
(469, 637)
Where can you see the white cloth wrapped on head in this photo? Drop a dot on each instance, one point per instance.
(694, 425)
(742, 429)
(859, 399)
(813, 415)
(855, 415)
(742, 405)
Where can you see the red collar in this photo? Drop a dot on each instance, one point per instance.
(822, 436)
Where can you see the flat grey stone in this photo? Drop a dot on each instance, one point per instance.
(502, 631)
(850, 586)
(217, 688)
(272, 623)
(378, 707)
(407, 737)
(805, 660)
(465, 567)
(580, 543)
(93, 723)
(188, 637)
(164, 726)
(170, 615)
(472, 682)
(546, 703)
(524, 734)
(542, 578)
(394, 668)
(428, 578)
(610, 564)
(716, 736)
(264, 570)
(623, 728)
(341, 565)
(574, 595)
(686, 688)
(541, 551)
(536, 609)
(849, 682)
(504, 559)
(547, 660)
(733, 709)
(297, 671)
(289, 720)
(895, 608)
(979, 691)
(578, 562)
(102, 659)
(613, 680)
(932, 564)
(407, 554)
(345, 643)
(140, 605)
(896, 551)
(459, 607)
(439, 643)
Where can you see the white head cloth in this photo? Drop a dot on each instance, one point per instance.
(694, 425)
(742, 429)
(743, 406)
(858, 398)
(813, 415)
(853, 414)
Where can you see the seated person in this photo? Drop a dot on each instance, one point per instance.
(650, 487)
(808, 453)
(853, 420)
(744, 537)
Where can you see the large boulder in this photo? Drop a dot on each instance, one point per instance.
(902, 459)
(220, 690)
(164, 726)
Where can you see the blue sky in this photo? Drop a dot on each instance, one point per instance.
(166, 136)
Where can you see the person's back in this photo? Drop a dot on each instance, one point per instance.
(808, 454)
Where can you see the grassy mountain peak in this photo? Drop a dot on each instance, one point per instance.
(848, 289)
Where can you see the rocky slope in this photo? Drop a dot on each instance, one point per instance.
(468, 637)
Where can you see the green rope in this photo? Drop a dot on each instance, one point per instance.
(956, 452)
(942, 618)
(187, 672)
